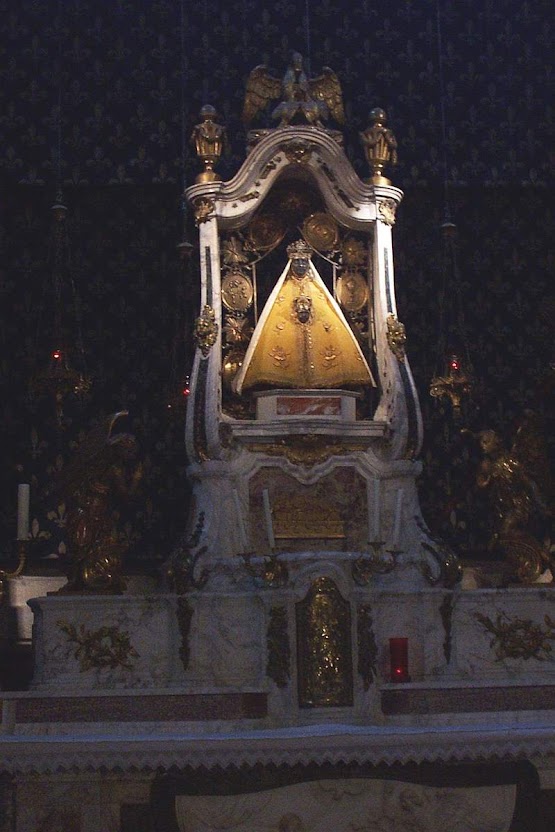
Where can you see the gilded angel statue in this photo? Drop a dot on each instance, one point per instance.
(304, 100)
(520, 489)
(104, 473)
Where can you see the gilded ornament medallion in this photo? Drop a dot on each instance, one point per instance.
(387, 208)
(237, 292)
(321, 232)
(352, 291)
(353, 252)
(265, 231)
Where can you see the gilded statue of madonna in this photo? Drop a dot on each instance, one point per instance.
(302, 339)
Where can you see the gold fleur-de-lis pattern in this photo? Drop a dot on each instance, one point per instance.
(122, 168)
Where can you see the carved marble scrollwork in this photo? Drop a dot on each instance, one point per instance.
(184, 614)
(367, 647)
(278, 666)
(299, 151)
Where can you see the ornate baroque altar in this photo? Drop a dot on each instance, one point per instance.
(311, 652)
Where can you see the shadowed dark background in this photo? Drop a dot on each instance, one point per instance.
(101, 97)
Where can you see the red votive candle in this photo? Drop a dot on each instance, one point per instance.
(399, 659)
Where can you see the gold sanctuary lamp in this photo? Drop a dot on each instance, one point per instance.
(208, 138)
(454, 384)
(59, 380)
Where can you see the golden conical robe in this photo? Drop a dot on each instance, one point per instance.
(302, 340)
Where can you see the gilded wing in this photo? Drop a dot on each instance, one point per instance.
(91, 458)
(531, 450)
(327, 88)
(261, 88)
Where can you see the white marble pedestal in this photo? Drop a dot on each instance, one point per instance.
(220, 642)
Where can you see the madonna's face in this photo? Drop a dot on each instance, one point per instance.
(299, 266)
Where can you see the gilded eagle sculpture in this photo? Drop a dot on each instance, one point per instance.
(304, 100)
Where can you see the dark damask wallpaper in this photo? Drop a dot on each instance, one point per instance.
(103, 95)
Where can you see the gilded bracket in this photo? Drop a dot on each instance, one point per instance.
(386, 209)
(204, 208)
(206, 330)
(396, 337)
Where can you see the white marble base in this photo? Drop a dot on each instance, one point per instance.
(24, 587)
(216, 640)
(337, 405)
(477, 653)
(113, 642)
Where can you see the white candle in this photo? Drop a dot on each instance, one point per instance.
(373, 497)
(23, 493)
(268, 516)
(397, 521)
(240, 522)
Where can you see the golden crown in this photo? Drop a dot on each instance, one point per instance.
(300, 248)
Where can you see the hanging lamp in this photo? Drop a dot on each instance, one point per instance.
(58, 378)
(178, 387)
(453, 374)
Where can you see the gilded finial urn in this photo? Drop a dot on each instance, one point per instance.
(380, 146)
(209, 139)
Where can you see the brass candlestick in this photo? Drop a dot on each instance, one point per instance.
(6, 574)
